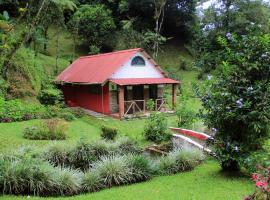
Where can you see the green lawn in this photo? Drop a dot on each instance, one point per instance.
(206, 182)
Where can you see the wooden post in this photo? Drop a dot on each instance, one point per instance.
(174, 95)
(121, 99)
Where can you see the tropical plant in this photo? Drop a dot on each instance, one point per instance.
(156, 128)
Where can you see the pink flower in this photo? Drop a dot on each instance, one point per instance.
(255, 176)
(261, 184)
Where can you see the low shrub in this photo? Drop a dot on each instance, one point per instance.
(140, 167)
(16, 110)
(113, 170)
(52, 129)
(68, 116)
(57, 154)
(26, 176)
(150, 104)
(77, 112)
(81, 156)
(68, 181)
(108, 133)
(50, 96)
(125, 145)
(92, 182)
(180, 160)
(155, 129)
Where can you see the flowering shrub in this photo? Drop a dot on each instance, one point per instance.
(237, 98)
(262, 182)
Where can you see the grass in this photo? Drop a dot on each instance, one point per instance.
(205, 182)
(11, 133)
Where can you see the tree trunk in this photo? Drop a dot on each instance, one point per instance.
(57, 50)
(46, 39)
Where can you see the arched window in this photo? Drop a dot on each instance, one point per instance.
(138, 61)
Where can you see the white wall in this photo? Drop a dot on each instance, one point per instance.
(128, 71)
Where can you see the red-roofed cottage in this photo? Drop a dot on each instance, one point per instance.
(115, 83)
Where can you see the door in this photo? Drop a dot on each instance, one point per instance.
(137, 92)
(153, 92)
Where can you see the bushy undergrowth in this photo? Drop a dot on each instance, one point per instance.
(84, 154)
(179, 161)
(108, 133)
(113, 170)
(27, 173)
(51, 129)
(156, 128)
(17, 110)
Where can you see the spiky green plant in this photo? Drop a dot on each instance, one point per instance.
(125, 145)
(68, 181)
(92, 182)
(113, 170)
(140, 167)
(56, 154)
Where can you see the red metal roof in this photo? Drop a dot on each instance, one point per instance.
(146, 81)
(98, 69)
(95, 69)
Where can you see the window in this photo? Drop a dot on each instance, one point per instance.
(138, 61)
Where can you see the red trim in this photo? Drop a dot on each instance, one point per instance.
(190, 133)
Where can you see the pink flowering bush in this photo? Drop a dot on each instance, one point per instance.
(262, 181)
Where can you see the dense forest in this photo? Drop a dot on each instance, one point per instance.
(66, 29)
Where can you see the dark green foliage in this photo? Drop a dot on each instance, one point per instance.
(150, 104)
(156, 128)
(247, 18)
(237, 99)
(108, 133)
(186, 115)
(52, 129)
(95, 23)
(50, 96)
(125, 145)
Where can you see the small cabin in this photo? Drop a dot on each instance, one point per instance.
(117, 83)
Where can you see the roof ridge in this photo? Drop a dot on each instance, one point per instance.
(115, 52)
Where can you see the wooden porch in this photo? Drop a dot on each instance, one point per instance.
(138, 106)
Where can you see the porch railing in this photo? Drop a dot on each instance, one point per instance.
(134, 106)
(160, 104)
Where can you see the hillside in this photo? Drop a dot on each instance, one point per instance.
(34, 70)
